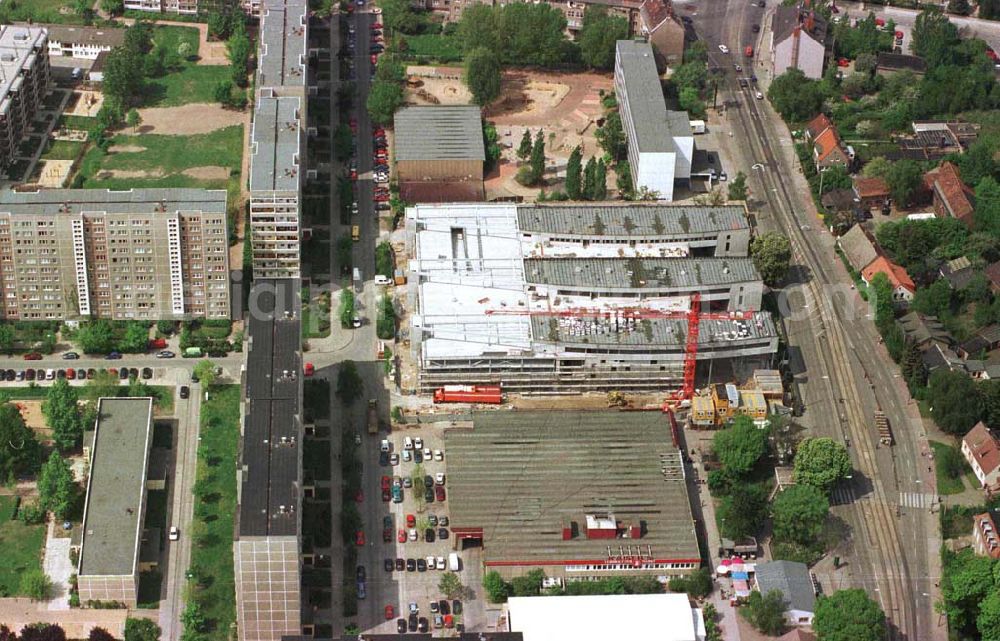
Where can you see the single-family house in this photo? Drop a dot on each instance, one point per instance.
(922, 331)
(792, 580)
(871, 192)
(950, 196)
(981, 449)
(798, 41)
(664, 30)
(858, 247)
(892, 63)
(992, 273)
(985, 340)
(985, 539)
(958, 272)
(937, 356)
(902, 285)
(816, 126)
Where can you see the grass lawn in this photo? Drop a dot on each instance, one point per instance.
(947, 481)
(163, 394)
(39, 11)
(192, 83)
(21, 545)
(165, 158)
(81, 123)
(212, 530)
(956, 521)
(170, 37)
(63, 150)
(433, 46)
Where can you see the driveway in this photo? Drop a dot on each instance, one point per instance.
(58, 567)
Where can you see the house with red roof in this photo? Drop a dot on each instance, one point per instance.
(992, 273)
(985, 539)
(902, 285)
(950, 196)
(818, 125)
(981, 449)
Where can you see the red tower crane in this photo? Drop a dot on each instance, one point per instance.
(693, 316)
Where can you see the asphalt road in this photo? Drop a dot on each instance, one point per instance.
(843, 372)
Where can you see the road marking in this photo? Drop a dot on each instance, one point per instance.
(919, 500)
(842, 495)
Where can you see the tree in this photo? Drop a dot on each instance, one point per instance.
(205, 371)
(349, 383)
(103, 385)
(574, 173)
(114, 8)
(934, 37)
(398, 15)
(193, 618)
(740, 446)
(42, 632)
(799, 513)
(532, 34)
(795, 96)
(697, 585)
(62, 413)
(611, 137)
(954, 401)
(836, 177)
(529, 584)
(238, 48)
(624, 180)
(491, 146)
(482, 75)
(772, 255)
(21, 453)
(988, 620)
(57, 491)
(849, 615)
(218, 26)
(451, 586)
(904, 179)
(987, 213)
(524, 149)
(877, 167)
(385, 324)
(589, 177)
(478, 27)
(690, 102)
(497, 590)
(100, 634)
(223, 93)
(743, 511)
(766, 612)
(184, 50)
(880, 291)
(132, 119)
(690, 75)
(537, 161)
(35, 585)
(738, 187)
(866, 62)
(141, 630)
(7, 337)
(123, 75)
(822, 463)
(96, 337)
(598, 36)
(136, 338)
(383, 101)
(599, 191)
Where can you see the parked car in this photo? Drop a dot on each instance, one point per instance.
(113, 356)
(442, 533)
(401, 626)
(147, 373)
(32, 356)
(421, 565)
(166, 354)
(429, 535)
(400, 565)
(359, 538)
(123, 374)
(70, 356)
(422, 625)
(411, 565)
(175, 533)
(428, 495)
(185, 391)
(402, 536)
(439, 493)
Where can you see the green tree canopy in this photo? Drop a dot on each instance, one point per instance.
(480, 27)
(849, 615)
(904, 179)
(96, 337)
(35, 584)
(524, 148)
(740, 446)
(988, 619)
(954, 401)
(772, 255)
(136, 338)
(766, 612)
(737, 189)
(987, 213)
(483, 75)
(62, 413)
(141, 630)
(799, 513)
(934, 37)
(743, 511)
(57, 491)
(383, 101)
(574, 174)
(497, 590)
(598, 36)
(451, 586)
(537, 160)
(611, 137)
(821, 462)
(350, 387)
(795, 96)
(205, 371)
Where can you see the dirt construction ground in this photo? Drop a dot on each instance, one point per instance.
(187, 120)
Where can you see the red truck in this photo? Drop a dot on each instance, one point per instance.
(490, 394)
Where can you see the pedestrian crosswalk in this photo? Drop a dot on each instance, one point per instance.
(843, 494)
(919, 500)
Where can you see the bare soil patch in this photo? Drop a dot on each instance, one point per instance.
(125, 149)
(107, 174)
(207, 172)
(187, 120)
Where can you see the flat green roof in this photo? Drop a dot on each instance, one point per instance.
(116, 490)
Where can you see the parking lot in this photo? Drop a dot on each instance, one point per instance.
(409, 543)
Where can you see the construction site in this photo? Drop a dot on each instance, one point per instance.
(569, 299)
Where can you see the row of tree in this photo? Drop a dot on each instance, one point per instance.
(135, 630)
(590, 183)
(533, 152)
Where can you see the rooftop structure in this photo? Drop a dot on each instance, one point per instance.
(952, 198)
(581, 494)
(798, 41)
(661, 144)
(858, 247)
(792, 580)
(53, 202)
(665, 617)
(985, 538)
(896, 62)
(82, 42)
(902, 285)
(439, 132)
(498, 297)
(266, 551)
(981, 449)
(24, 82)
(281, 54)
(20, 46)
(116, 501)
(659, 23)
(922, 330)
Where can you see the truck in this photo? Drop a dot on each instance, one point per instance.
(882, 425)
(489, 394)
(697, 127)
(453, 563)
(372, 416)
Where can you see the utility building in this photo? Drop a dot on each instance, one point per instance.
(660, 142)
(580, 298)
(115, 506)
(440, 153)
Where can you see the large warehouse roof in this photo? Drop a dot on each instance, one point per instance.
(637, 617)
(524, 476)
(640, 273)
(117, 487)
(630, 220)
(445, 132)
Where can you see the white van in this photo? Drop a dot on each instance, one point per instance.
(407, 443)
(384, 445)
(382, 279)
(453, 564)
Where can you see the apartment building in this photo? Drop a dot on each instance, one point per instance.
(183, 7)
(24, 81)
(660, 142)
(146, 254)
(451, 10)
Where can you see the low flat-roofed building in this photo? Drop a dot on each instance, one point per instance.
(660, 142)
(115, 505)
(439, 152)
(83, 42)
(638, 617)
(792, 580)
(582, 495)
(536, 298)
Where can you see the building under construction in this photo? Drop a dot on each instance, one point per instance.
(577, 298)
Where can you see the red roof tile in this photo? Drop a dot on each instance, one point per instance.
(897, 275)
(818, 125)
(947, 183)
(984, 447)
(871, 188)
(827, 143)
